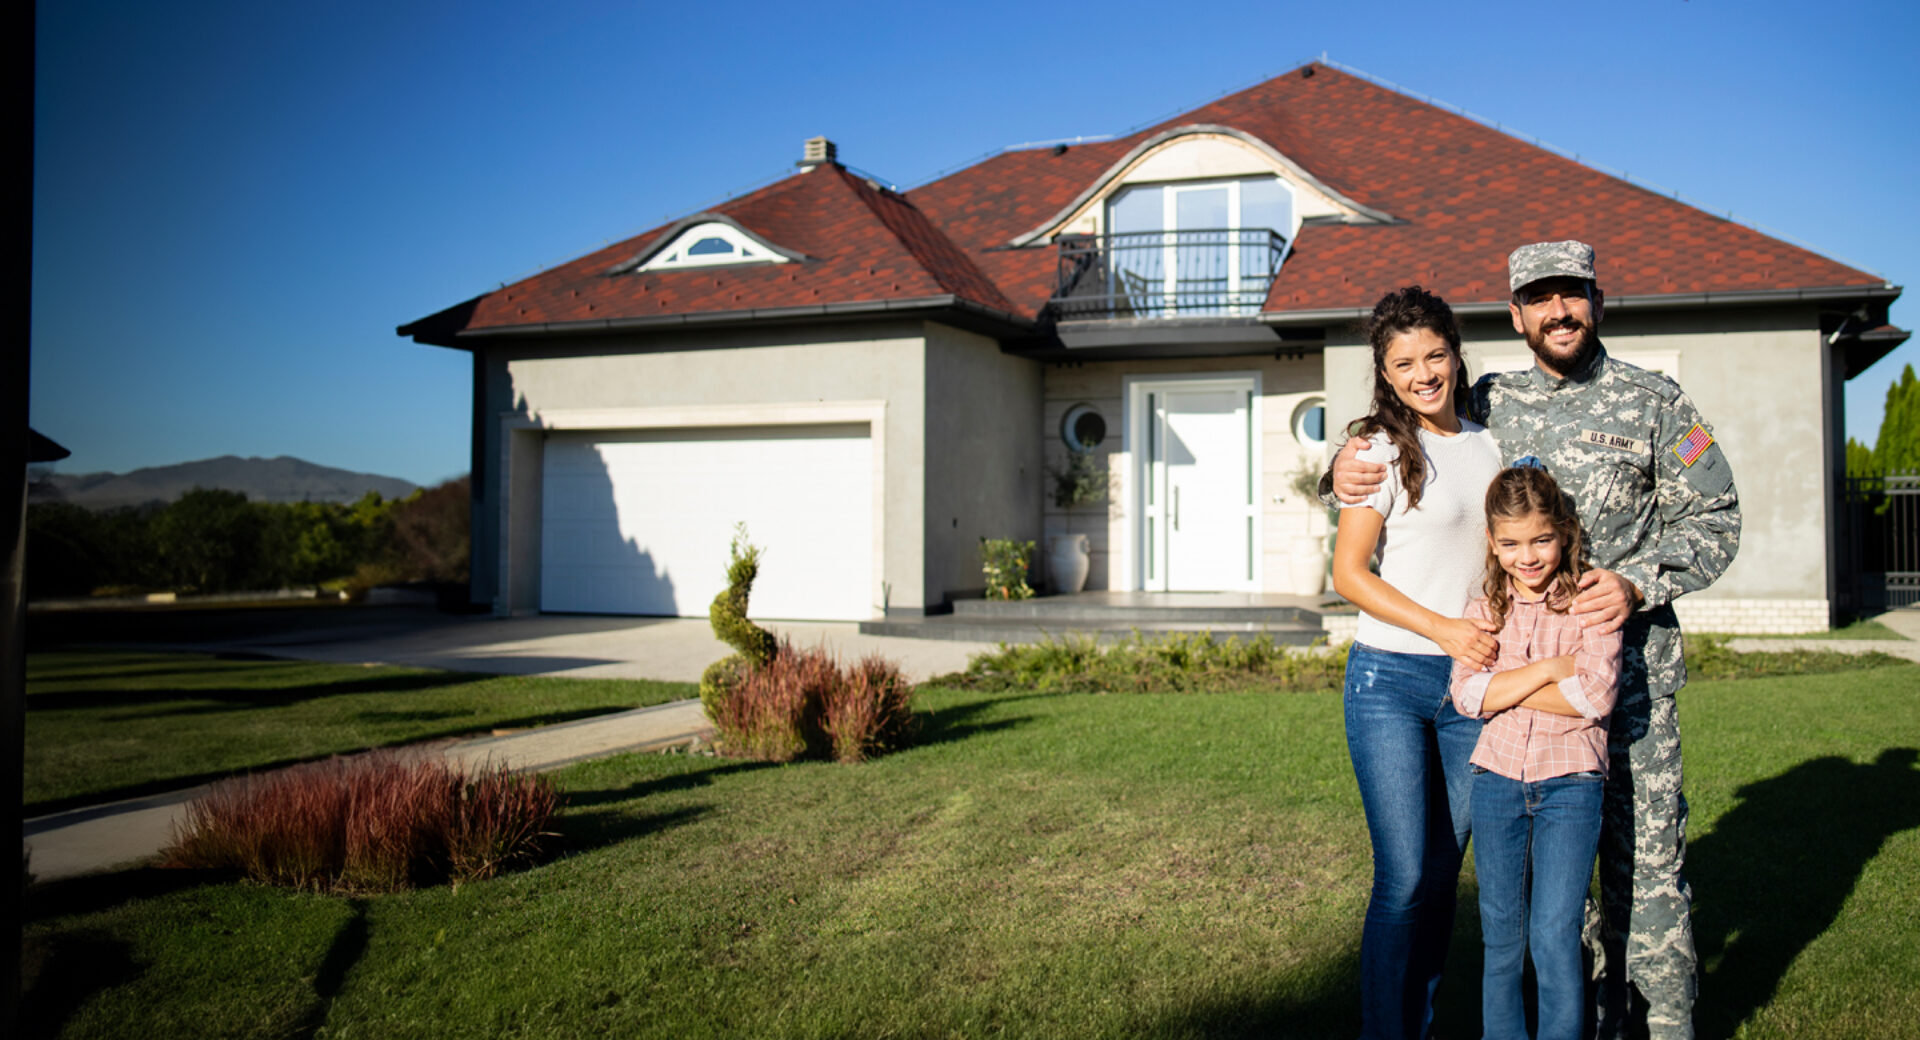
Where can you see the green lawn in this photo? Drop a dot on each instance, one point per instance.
(1141, 865)
(103, 725)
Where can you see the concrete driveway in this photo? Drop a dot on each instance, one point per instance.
(675, 649)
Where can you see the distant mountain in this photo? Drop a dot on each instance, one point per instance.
(282, 479)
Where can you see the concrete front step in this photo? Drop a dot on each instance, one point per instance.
(987, 629)
(1100, 616)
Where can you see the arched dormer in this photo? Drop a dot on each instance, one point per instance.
(706, 240)
(1195, 221)
(1187, 156)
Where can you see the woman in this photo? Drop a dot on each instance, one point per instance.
(1410, 749)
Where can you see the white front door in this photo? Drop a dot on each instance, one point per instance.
(1197, 478)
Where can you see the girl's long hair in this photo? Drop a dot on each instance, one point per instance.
(1404, 310)
(1519, 492)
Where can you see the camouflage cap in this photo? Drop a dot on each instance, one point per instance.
(1530, 263)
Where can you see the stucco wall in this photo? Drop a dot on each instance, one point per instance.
(1764, 385)
(983, 455)
(1284, 385)
(815, 366)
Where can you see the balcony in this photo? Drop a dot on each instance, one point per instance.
(1165, 274)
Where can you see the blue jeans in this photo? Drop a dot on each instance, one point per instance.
(1533, 846)
(1410, 751)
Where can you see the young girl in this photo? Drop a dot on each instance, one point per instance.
(1409, 748)
(1542, 758)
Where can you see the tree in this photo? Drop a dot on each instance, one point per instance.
(1861, 461)
(210, 540)
(1898, 446)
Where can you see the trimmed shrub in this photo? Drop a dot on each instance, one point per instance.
(1176, 662)
(803, 704)
(754, 646)
(1709, 657)
(376, 823)
(1180, 662)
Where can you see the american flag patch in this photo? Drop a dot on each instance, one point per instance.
(1693, 445)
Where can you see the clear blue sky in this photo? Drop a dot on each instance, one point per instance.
(236, 202)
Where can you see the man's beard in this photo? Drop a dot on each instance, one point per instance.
(1589, 339)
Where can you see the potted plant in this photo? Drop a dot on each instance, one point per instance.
(1003, 561)
(1307, 552)
(1082, 482)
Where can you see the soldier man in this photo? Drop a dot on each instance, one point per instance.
(1657, 502)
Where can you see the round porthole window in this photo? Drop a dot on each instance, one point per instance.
(1082, 428)
(1310, 422)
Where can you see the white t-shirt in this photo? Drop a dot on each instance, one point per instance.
(1436, 553)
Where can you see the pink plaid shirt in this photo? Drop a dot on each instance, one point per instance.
(1526, 744)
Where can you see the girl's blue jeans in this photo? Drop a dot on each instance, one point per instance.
(1410, 751)
(1533, 846)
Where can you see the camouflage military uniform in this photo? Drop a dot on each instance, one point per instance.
(1657, 502)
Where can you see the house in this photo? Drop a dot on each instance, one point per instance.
(873, 381)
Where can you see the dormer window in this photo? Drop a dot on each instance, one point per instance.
(709, 244)
(1195, 221)
(1241, 203)
(1196, 247)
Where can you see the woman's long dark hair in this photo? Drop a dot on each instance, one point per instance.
(1517, 493)
(1404, 310)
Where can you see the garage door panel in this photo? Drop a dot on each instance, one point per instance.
(640, 523)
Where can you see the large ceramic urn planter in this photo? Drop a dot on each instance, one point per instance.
(1067, 562)
(1307, 565)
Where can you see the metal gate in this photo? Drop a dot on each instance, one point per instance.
(1880, 557)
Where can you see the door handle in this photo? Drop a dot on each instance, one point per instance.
(1176, 507)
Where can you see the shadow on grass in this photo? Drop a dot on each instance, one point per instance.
(348, 946)
(90, 893)
(235, 698)
(663, 784)
(586, 831)
(1321, 998)
(61, 972)
(961, 721)
(1314, 1000)
(1774, 872)
(199, 666)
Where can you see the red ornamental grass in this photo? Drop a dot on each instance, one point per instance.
(869, 711)
(769, 714)
(803, 703)
(378, 822)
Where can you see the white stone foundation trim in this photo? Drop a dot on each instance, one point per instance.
(1340, 628)
(1752, 617)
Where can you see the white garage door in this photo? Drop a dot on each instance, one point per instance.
(638, 523)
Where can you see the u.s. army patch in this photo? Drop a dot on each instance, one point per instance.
(1693, 445)
(1612, 440)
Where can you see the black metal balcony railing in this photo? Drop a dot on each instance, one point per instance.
(1155, 274)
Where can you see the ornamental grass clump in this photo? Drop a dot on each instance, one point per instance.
(869, 710)
(376, 823)
(803, 704)
(772, 713)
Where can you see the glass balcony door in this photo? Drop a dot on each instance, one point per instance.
(1201, 265)
(1184, 247)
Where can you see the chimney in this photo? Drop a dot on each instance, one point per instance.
(819, 150)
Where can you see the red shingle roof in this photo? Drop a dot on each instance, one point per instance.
(1463, 194)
